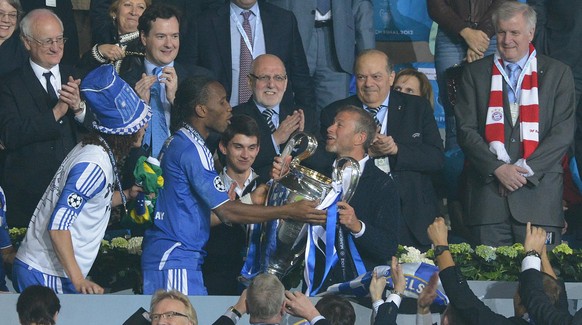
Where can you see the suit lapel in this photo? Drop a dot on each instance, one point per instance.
(34, 87)
(268, 24)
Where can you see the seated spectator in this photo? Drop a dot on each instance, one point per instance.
(337, 309)
(172, 307)
(38, 305)
(542, 307)
(469, 307)
(413, 82)
(126, 45)
(385, 312)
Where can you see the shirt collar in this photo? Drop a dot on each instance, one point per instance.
(228, 180)
(521, 62)
(384, 103)
(38, 71)
(149, 67)
(262, 108)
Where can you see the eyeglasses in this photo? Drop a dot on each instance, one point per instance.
(46, 43)
(167, 315)
(276, 78)
(11, 15)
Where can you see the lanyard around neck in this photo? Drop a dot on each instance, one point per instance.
(242, 32)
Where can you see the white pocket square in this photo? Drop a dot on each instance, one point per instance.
(416, 135)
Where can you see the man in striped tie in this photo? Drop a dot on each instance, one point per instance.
(277, 121)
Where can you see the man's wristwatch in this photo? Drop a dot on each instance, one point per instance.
(533, 252)
(439, 249)
(82, 107)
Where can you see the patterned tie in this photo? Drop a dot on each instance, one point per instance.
(268, 114)
(158, 129)
(513, 70)
(244, 92)
(49, 88)
(374, 112)
(323, 6)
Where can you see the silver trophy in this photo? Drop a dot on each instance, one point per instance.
(288, 245)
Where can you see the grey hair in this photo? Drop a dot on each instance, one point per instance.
(265, 296)
(27, 22)
(15, 4)
(510, 9)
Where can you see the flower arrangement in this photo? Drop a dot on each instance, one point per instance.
(117, 266)
(500, 263)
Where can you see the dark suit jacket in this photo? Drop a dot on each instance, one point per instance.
(223, 320)
(376, 204)
(540, 200)
(210, 48)
(470, 308)
(420, 153)
(353, 29)
(36, 143)
(538, 305)
(387, 314)
(264, 160)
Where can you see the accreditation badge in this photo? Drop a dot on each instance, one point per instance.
(383, 163)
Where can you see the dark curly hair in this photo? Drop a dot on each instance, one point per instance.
(119, 144)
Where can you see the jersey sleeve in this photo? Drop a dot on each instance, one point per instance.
(204, 179)
(84, 181)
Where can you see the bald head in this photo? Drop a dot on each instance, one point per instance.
(42, 34)
(374, 77)
(268, 80)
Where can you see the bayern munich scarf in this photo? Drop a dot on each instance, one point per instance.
(528, 110)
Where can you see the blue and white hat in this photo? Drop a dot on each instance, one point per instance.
(116, 106)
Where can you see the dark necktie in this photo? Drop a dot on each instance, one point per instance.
(323, 6)
(49, 88)
(268, 114)
(244, 91)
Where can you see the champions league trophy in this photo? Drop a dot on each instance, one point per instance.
(285, 249)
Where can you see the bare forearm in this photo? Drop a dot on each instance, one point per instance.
(238, 212)
(63, 246)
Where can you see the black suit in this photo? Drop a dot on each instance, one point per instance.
(538, 304)
(264, 160)
(469, 307)
(376, 204)
(210, 48)
(36, 143)
(420, 152)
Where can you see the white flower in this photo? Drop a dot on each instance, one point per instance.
(134, 245)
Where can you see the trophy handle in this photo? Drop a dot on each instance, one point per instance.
(296, 140)
(341, 165)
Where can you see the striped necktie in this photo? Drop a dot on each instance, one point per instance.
(374, 112)
(268, 114)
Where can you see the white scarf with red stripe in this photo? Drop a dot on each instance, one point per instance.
(529, 110)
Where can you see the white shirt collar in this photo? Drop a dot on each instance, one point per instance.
(38, 72)
(228, 181)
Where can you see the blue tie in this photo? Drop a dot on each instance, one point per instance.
(513, 71)
(157, 132)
